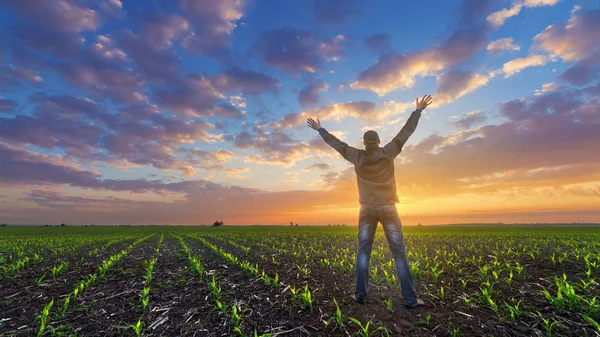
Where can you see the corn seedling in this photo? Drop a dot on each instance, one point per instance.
(548, 325)
(426, 322)
(304, 271)
(591, 321)
(515, 312)
(214, 288)
(219, 306)
(414, 269)
(40, 280)
(138, 327)
(57, 270)
(364, 329)
(145, 297)
(307, 298)
(435, 273)
(388, 303)
(44, 316)
(236, 315)
(338, 317)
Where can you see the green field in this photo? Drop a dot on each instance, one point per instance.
(296, 281)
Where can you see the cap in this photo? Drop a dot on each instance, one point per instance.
(371, 137)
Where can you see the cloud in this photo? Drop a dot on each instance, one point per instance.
(289, 49)
(378, 42)
(334, 12)
(77, 64)
(456, 83)
(470, 119)
(162, 29)
(318, 166)
(363, 110)
(358, 109)
(331, 49)
(25, 167)
(277, 147)
(309, 95)
(12, 78)
(138, 135)
(536, 3)
(583, 72)
(551, 130)
(236, 173)
(51, 132)
(546, 87)
(62, 15)
(497, 18)
(399, 71)
(195, 95)
(578, 41)
(293, 51)
(104, 47)
(7, 105)
(501, 45)
(213, 23)
(248, 82)
(546, 142)
(574, 40)
(517, 65)
(394, 71)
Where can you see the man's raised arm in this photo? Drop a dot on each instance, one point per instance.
(394, 147)
(348, 152)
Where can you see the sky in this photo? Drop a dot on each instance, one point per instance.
(192, 111)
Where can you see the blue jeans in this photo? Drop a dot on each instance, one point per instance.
(369, 216)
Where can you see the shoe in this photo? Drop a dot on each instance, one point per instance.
(358, 300)
(419, 303)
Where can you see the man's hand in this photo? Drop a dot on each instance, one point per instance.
(315, 125)
(424, 102)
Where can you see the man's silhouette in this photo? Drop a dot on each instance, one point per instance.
(374, 167)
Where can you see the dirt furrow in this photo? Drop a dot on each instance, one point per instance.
(22, 300)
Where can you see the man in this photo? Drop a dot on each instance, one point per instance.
(374, 167)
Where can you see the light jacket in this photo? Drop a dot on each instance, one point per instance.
(375, 170)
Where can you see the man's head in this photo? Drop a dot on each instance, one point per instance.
(371, 137)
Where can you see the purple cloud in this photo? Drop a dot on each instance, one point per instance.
(249, 82)
(289, 49)
(162, 29)
(194, 96)
(583, 72)
(7, 105)
(213, 22)
(576, 40)
(24, 167)
(520, 153)
(12, 78)
(331, 49)
(309, 95)
(378, 42)
(470, 119)
(154, 62)
(62, 15)
(318, 166)
(456, 83)
(397, 71)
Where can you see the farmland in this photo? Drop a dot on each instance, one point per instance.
(296, 281)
